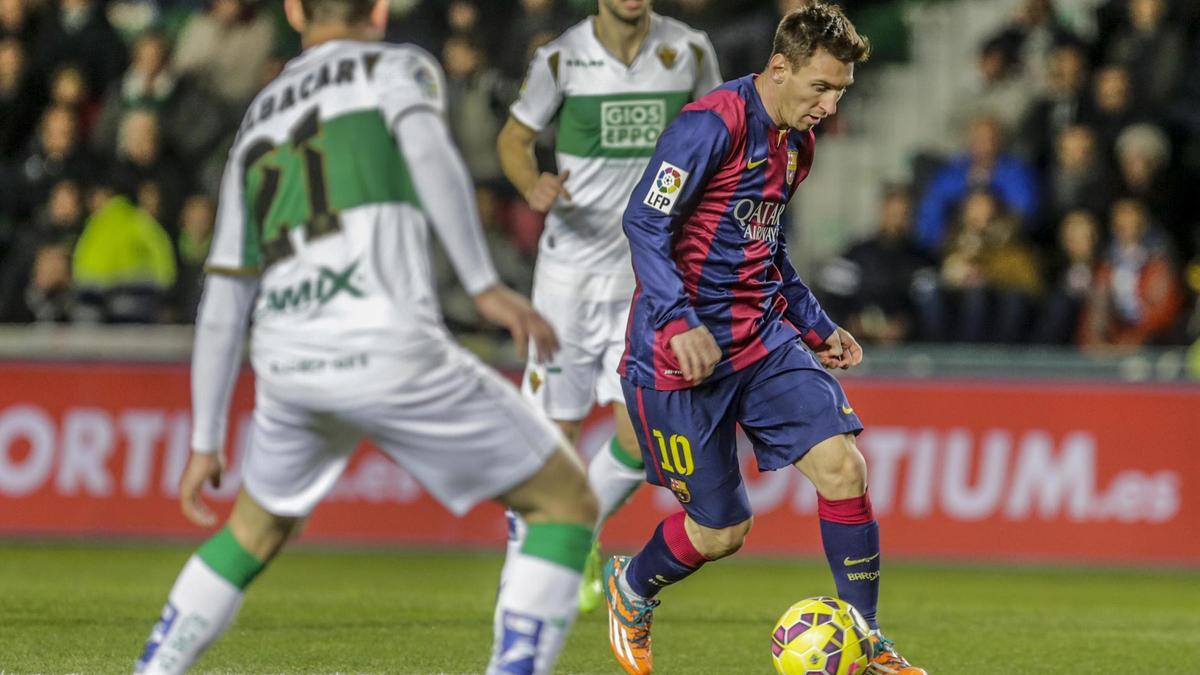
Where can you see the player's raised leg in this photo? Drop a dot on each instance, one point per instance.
(537, 603)
(688, 441)
(208, 592)
(850, 536)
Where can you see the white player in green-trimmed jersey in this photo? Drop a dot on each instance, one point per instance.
(612, 83)
(342, 166)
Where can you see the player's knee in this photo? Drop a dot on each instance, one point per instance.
(841, 471)
(720, 543)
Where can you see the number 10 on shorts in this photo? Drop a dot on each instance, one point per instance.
(677, 458)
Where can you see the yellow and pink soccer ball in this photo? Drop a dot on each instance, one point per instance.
(821, 636)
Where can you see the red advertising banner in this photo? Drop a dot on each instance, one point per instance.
(958, 469)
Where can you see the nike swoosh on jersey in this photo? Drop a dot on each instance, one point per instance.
(849, 562)
(750, 163)
(847, 409)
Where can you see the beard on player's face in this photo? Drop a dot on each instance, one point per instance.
(625, 12)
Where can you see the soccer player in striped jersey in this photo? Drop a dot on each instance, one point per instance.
(342, 165)
(719, 328)
(610, 85)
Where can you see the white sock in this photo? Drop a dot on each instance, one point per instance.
(200, 607)
(612, 481)
(534, 613)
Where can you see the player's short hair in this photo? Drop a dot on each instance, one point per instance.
(338, 11)
(819, 25)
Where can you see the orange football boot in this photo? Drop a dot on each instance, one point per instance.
(629, 619)
(887, 660)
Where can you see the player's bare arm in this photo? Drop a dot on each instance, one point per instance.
(697, 352)
(515, 148)
(506, 308)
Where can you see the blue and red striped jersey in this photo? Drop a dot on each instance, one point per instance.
(706, 227)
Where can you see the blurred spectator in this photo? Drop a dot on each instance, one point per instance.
(989, 278)
(1071, 274)
(999, 89)
(191, 121)
(1032, 35)
(1112, 107)
(1136, 297)
(532, 18)
(1062, 104)
(61, 219)
(1078, 179)
(19, 99)
(143, 170)
(1143, 159)
(869, 287)
(983, 165)
(17, 22)
(741, 44)
(69, 88)
(1152, 49)
(476, 106)
(80, 33)
(462, 16)
(49, 297)
(124, 264)
(57, 223)
(55, 154)
(196, 221)
(225, 48)
(705, 15)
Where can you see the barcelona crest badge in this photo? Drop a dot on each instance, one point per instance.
(681, 491)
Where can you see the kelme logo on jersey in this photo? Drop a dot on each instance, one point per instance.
(313, 292)
(631, 124)
(663, 192)
(759, 220)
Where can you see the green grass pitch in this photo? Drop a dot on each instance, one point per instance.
(84, 608)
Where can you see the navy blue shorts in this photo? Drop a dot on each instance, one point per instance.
(786, 403)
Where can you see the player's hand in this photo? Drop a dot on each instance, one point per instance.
(506, 308)
(697, 353)
(840, 350)
(548, 188)
(203, 467)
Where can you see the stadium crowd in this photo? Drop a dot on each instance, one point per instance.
(1068, 217)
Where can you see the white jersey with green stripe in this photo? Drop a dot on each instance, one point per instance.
(319, 201)
(609, 118)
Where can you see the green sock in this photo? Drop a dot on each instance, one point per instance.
(623, 457)
(567, 544)
(227, 558)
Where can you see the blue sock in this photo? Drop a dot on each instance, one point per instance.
(668, 557)
(850, 535)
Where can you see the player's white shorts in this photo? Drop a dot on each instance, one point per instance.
(459, 429)
(591, 336)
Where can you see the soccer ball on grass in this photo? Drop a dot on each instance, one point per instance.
(821, 636)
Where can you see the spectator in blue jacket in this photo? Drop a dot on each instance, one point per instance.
(983, 165)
